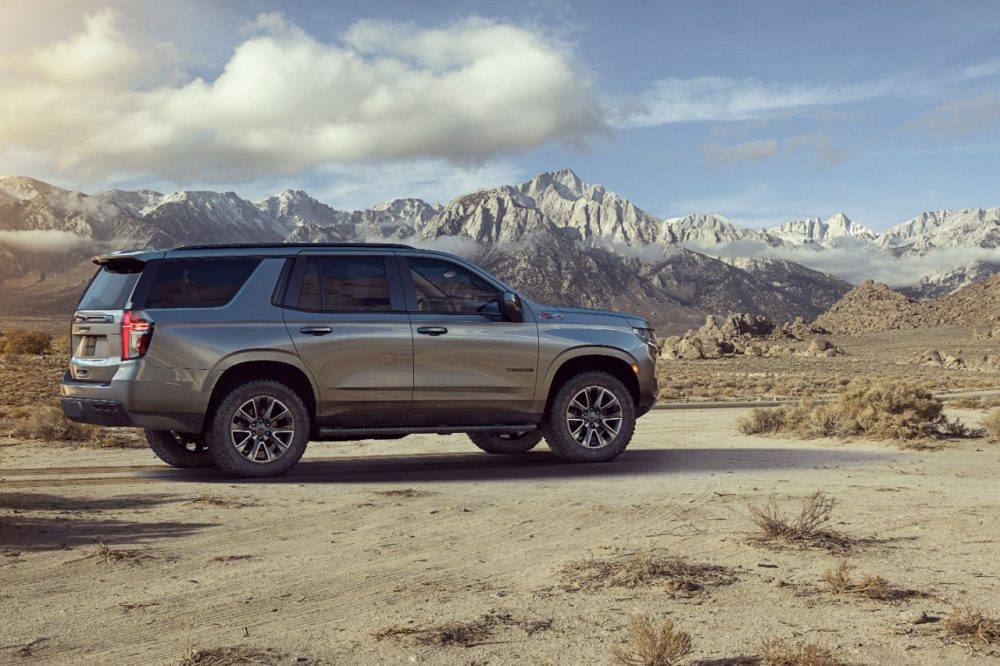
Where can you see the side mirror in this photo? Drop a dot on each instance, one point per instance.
(510, 306)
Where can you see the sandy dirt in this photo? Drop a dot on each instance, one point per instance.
(314, 565)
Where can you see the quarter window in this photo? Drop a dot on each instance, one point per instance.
(198, 283)
(344, 284)
(442, 286)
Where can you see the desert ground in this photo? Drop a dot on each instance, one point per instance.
(392, 552)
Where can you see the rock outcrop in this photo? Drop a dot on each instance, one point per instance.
(743, 335)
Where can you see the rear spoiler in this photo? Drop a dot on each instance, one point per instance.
(125, 260)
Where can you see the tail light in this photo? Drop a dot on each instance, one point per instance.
(137, 330)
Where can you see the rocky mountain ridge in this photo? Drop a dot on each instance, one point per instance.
(571, 240)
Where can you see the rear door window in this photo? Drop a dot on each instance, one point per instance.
(198, 283)
(111, 288)
(344, 284)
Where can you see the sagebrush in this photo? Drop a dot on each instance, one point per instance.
(778, 652)
(23, 341)
(991, 424)
(652, 644)
(807, 529)
(881, 410)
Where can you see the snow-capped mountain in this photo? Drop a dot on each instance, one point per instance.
(814, 233)
(554, 235)
(969, 227)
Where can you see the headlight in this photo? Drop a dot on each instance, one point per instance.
(647, 335)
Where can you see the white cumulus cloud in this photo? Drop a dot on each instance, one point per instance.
(286, 102)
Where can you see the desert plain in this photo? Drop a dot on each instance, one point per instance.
(426, 550)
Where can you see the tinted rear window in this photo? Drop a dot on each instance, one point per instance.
(110, 289)
(198, 283)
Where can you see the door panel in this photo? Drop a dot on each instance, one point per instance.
(361, 350)
(481, 371)
(470, 367)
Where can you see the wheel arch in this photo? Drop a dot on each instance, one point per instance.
(279, 367)
(583, 359)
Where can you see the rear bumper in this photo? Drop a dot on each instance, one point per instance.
(98, 412)
(123, 401)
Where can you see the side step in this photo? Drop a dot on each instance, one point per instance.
(362, 433)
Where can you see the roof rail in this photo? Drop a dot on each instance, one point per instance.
(236, 246)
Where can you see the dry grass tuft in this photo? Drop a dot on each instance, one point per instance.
(212, 499)
(804, 530)
(465, 634)
(645, 569)
(402, 492)
(108, 555)
(970, 623)
(991, 424)
(881, 410)
(840, 581)
(778, 652)
(231, 656)
(652, 645)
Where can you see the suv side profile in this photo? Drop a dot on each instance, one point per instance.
(239, 355)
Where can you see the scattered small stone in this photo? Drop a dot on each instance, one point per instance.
(913, 617)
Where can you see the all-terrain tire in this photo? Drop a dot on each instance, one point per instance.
(259, 429)
(590, 392)
(179, 449)
(506, 442)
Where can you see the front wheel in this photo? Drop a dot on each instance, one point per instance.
(521, 441)
(179, 449)
(591, 418)
(259, 429)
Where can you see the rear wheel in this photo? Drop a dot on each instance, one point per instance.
(180, 449)
(591, 418)
(259, 429)
(521, 441)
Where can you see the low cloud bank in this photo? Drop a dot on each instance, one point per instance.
(44, 240)
(860, 263)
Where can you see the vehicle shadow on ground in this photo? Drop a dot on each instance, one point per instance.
(537, 465)
(39, 521)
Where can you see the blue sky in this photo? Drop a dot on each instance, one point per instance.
(761, 111)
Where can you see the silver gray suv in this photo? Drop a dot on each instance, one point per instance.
(239, 355)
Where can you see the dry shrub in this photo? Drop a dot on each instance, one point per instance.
(991, 424)
(108, 555)
(644, 569)
(403, 492)
(840, 581)
(970, 623)
(778, 652)
(652, 645)
(465, 634)
(23, 341)
(806, 529)
(231, 656)
(762, 421)
(212, 499)
(883, 410)
(49, 424)
(63, 345)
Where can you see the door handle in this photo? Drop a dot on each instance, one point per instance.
(316, 330)
(432, 330)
